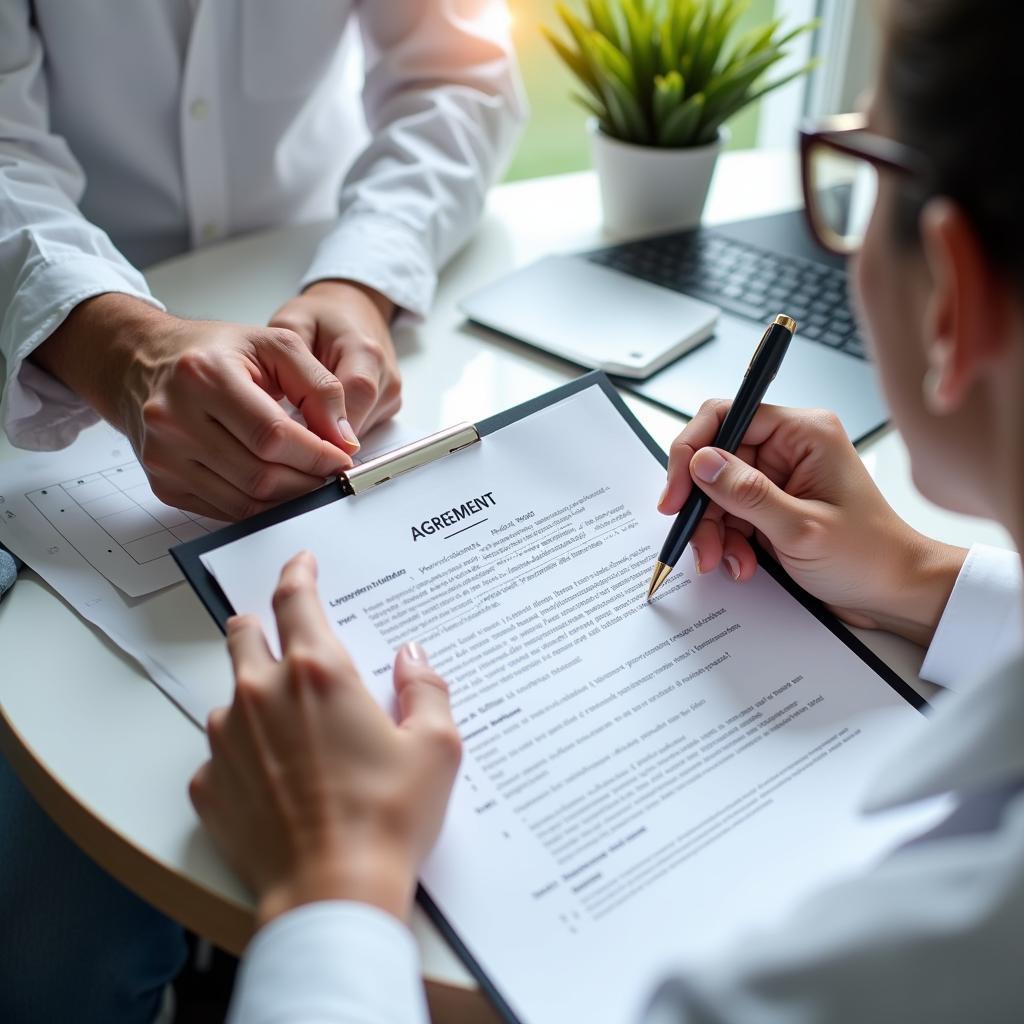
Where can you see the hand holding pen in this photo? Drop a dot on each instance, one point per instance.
(760, 373)
(798, 484)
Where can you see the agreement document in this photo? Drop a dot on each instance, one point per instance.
(642, 784)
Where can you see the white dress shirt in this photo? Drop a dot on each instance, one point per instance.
(934, 933)
(130, 132)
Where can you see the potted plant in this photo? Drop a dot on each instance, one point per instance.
(660, 78)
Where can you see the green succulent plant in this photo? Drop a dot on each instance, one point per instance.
(669, 72)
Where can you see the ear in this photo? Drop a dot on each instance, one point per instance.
(968, 312)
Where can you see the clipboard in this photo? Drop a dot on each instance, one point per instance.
(373, 475)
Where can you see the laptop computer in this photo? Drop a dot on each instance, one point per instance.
(676, 318)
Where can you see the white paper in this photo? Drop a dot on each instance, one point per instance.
(641, 783)
(86, 520)
(53, 515)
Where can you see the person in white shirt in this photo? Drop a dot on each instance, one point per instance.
(326, 806)
(129, 133)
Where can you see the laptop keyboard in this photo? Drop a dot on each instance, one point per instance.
(745, 280)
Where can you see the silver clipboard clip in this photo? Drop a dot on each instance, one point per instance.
(375, 472)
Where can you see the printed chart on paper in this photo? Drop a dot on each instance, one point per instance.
(116, 523)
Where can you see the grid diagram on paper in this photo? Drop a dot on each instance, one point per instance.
(120, 502)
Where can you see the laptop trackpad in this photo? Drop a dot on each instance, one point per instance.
(593, 316)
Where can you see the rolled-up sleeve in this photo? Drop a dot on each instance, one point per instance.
(444, 105)
(51, 257)
(981, 626)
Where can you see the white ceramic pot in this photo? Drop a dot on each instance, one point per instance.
(645, 189)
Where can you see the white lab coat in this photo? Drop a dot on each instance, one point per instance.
(130, 132)
(934, 933)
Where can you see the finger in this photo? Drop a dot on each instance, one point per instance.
(200, 790)
(313, 389)
(679, 483)
(424, 705)
(297, 606)
(738, 556)
(361, 372)
(169, 494)
(745, 492)
(700, 431)
(227, 500)
(250, 414)
(247, 647)
(226, 456)
(706, 546)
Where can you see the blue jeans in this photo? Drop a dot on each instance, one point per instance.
(75, 944)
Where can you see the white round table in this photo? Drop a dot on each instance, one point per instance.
(109, 756)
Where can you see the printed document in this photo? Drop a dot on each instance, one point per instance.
(642, 783)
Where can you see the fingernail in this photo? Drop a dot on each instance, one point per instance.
(664, 495)
(414, 652)
(348, 433)
(707, 465)
(696, 560)
(734, 566)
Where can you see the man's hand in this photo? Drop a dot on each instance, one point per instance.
(199, 403)
(312, 791)
(346, 326)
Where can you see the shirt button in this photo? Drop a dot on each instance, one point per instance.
(199, 109)
(209, 232)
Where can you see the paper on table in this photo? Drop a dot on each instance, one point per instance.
(86, 520)
(45, 519)
(640, 783)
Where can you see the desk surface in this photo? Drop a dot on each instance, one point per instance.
(101, 747)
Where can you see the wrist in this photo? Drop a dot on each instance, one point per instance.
(94, 348)
(375, 879)
(923, 580)
(343, 289)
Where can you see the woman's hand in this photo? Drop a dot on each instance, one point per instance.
(312, 791)
(798, 484)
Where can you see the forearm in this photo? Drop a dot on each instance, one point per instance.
(444, 105)
(51, 258)
(92, 351)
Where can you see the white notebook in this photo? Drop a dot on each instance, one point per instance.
(593, 315)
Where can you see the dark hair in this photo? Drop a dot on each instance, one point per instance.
(953, 82)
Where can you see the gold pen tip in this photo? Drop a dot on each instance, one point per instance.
(661, 573)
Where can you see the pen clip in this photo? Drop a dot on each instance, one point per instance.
(757, 351)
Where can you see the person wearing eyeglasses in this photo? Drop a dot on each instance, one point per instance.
(326, 806)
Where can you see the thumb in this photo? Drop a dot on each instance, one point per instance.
(311, 388)
(423, 702)
(748, 494)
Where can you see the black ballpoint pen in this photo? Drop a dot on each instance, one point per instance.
(760, 373)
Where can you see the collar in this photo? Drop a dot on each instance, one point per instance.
(975, 740)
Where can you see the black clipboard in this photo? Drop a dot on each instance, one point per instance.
(188, 557)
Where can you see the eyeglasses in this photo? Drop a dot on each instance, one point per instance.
(840, 161)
